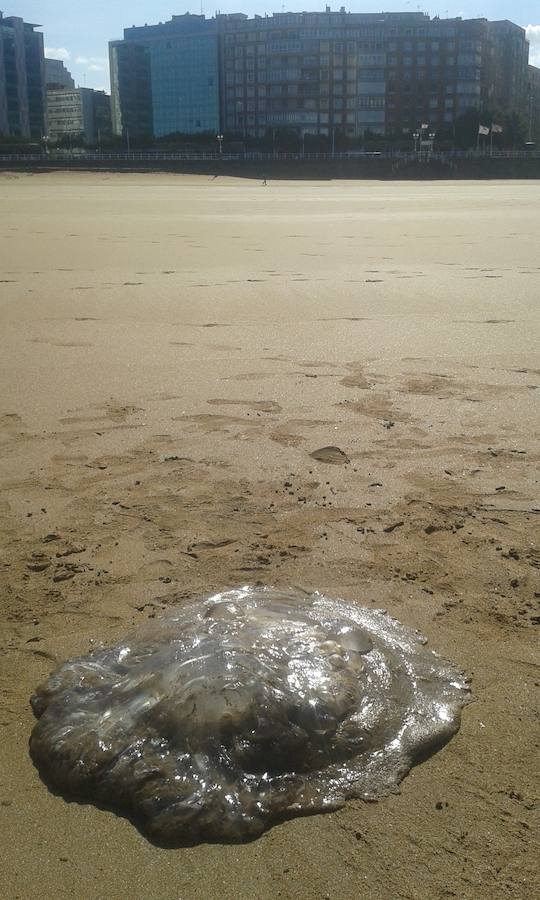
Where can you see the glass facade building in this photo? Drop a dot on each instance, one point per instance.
(177, 82)
(22, 79)
(131, 93)
(185, 91)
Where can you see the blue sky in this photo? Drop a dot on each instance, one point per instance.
(78, 31)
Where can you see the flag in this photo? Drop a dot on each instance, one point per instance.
(496, 129)
(483, 129)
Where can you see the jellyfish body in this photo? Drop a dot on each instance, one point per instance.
(244, 708)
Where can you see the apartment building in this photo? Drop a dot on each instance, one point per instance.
(386, 73)
(78, 113)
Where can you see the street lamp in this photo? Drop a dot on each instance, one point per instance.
(416, 138)
(219, 138)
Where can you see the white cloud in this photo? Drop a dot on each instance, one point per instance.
(92, 63)
(533, 36)
(99, 61)
(57, 53)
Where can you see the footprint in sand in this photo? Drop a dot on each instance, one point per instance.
(356, 380)
(287, 433)
(70, 460)
(211, 545)
(483, 321)
(346, 319)
(60, 343)
(266, 406)
(155, 568)
(11, 427)
(286, 438)
(211, 422)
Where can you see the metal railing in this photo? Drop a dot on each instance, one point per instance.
(256, 156)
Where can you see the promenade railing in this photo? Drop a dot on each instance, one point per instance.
(90, 156)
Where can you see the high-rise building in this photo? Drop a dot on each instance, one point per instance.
(165, 77)
(322, 72)
(505, 57)
(386, 73)
(22, 79)
(533, 104)
(78, 113)
(131, 89)
(56, 75)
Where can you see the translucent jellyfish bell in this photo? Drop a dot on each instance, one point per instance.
(233, 712)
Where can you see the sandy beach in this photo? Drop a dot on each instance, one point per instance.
(173, 349)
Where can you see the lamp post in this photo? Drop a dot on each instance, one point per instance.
(219, 138)
(416, 138)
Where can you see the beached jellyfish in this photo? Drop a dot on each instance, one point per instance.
(231, 713)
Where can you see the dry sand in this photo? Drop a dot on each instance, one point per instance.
(173, 348)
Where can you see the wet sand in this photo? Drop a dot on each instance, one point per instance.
(173, 350)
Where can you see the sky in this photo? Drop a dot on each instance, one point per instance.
(78, 31)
